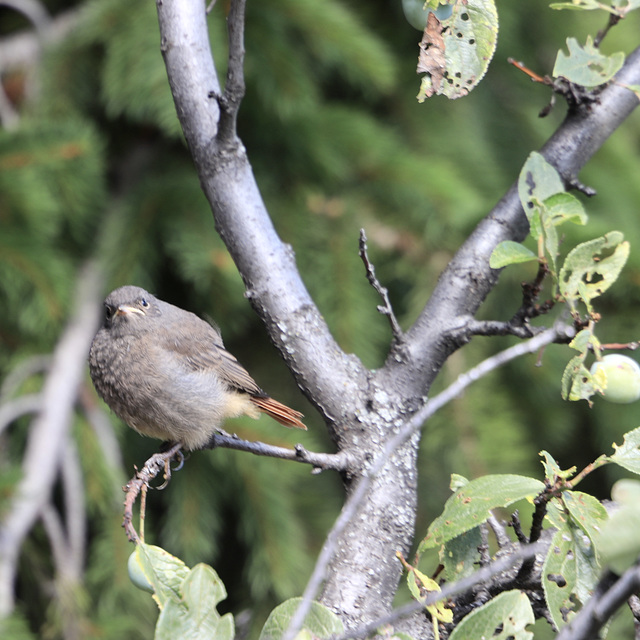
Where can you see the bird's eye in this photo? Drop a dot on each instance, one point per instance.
(144, 302)
(108, 312)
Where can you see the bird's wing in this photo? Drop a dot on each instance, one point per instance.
(205, 351)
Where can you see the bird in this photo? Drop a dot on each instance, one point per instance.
(167, 374)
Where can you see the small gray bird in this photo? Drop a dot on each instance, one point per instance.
(167, 374)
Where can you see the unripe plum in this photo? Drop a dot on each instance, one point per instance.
(619, 376)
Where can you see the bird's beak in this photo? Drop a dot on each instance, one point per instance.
(125, 309)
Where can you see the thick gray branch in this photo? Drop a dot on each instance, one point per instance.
(364, 572)
(330, 378)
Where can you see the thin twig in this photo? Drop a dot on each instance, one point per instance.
(385, 309)
(22, 372)
(548, 336)
(234, 87)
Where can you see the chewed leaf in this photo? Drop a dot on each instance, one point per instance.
(592, 267)
(506, 616)
(586, 66)
(627, 455)
(455, 52)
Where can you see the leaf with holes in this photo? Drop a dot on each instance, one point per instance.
(569, 573)
(627, 455)
(455, 52)
(592, 267)
(460, 556)
(538, 181)
(586, 66)
(504, 617)
(577, 381)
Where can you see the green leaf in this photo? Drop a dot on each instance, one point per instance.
(619, 543)
(194, 615)
(552, 469)
(509, 252)
(565, 207)
(455, 52)
(510, 612)
(617, 7)
(584, 341)
(165, 572)
(627, 455)
(538, 181)
(580, 5)
(202, 591)
(595, 265)
(587, 512)
(586, 66)
(569, 573)
(471, 505)
(459, 556)
(577, 381)
(320, 621)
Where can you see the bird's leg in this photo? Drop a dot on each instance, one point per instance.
(141, 481)
(168, 450)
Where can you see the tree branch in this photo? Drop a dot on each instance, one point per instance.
(320, 461)
(49, 430)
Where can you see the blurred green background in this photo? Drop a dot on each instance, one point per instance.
(97, 166)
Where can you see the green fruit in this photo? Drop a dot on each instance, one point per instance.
(619, 377)
(417, 15)
(137, 575)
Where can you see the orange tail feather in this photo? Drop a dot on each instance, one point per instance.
(278, 411)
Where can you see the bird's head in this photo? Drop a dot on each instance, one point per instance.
(130, 309)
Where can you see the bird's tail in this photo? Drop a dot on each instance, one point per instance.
(278, 411)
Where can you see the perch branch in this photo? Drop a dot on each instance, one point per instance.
(160, 461)
(320, 461)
